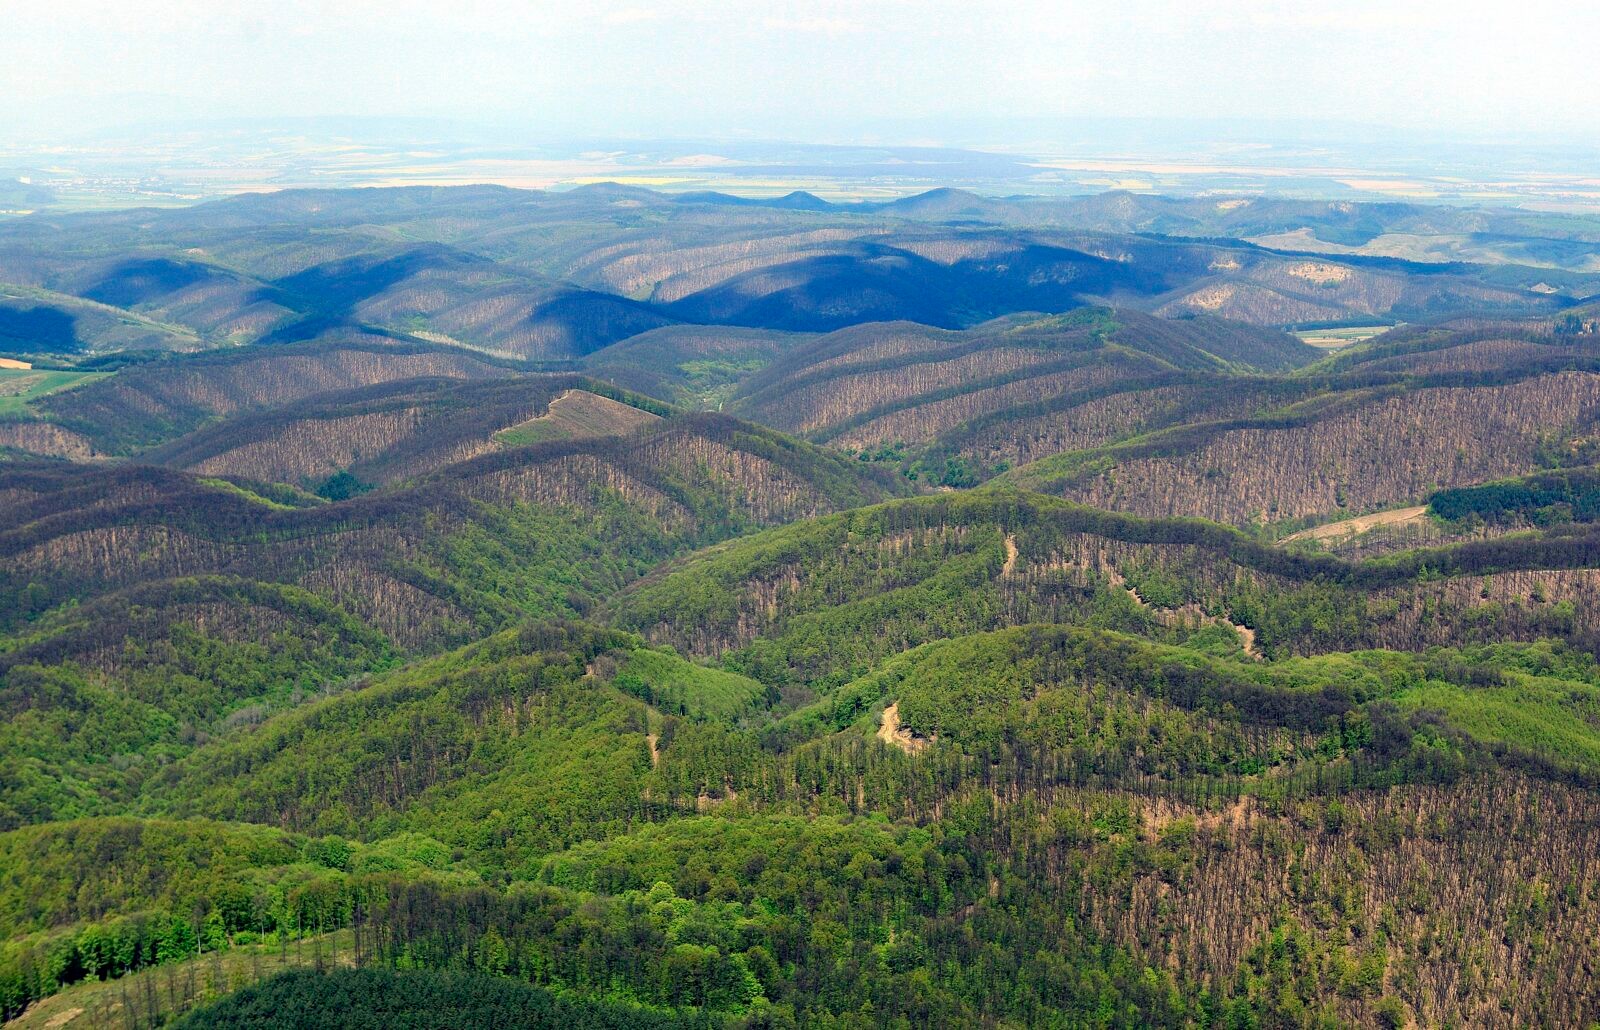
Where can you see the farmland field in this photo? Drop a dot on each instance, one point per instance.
(19, 386)
(1344, 336)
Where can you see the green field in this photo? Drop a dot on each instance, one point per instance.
(20, 386)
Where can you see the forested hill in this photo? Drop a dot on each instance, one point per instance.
(606, 608)
(870, 383)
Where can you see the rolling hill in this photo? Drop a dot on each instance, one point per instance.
(148, 403)
(404, 429)
(697, 366)
(533, 274)
(1458, 409)
(1009, 385)
(823, 601)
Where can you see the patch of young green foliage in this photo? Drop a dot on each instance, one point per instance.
(505, 749)
(101, 696)
(788, 920)
(676, 686)
(252, 495)
(1096, 704)
(520, 561)
(100, 898)
(1547, 498)
(417, 999)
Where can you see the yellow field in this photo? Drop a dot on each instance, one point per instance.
(1345, 336)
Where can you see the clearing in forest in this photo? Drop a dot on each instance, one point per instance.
(891, 732)
(1011, 556)
(18, 386)
(1344, 336)
(577, 415)
(1359, 524)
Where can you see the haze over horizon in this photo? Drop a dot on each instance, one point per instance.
(941, 73)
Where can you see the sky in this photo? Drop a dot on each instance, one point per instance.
(822, 71)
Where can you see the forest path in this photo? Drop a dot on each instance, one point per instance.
(1168, 617)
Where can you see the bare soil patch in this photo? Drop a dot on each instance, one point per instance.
(891, 732)
(1359, 524)
(1011, 556)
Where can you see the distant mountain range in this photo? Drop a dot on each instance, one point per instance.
(545, 276)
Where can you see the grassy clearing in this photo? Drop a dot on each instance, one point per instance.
(1359, 524)
(577, 415)
(711, 382)
(21, 386)
(1345, 336)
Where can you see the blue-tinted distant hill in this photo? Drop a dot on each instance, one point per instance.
(554, 275)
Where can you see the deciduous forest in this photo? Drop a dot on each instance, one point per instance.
(613, 608)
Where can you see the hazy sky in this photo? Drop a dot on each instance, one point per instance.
(805, 70)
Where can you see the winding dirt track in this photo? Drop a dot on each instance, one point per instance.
(891, 733)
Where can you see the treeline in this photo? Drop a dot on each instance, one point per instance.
(380, 998)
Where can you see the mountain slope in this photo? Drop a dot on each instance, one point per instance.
(76, 532)
(697, 366)
(396, 430)
(146, 404)
(477, 687)
(1351, 451)
(820, 602)
(872, 385)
